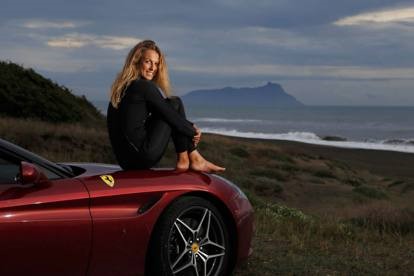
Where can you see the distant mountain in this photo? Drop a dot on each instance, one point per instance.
(26, 94)
(270, 95)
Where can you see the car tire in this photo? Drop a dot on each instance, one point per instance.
(190, 238)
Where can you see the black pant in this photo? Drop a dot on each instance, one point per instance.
(158, 135)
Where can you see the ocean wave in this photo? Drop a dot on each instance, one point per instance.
(222, 120)
(409, 142)
(312, 138)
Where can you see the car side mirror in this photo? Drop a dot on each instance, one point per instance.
(30, 174)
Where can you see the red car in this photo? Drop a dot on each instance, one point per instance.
(95, 219)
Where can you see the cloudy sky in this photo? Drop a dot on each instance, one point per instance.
(353, 52)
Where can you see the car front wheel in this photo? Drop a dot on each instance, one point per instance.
(191, 238)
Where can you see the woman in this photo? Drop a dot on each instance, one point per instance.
(142, 115)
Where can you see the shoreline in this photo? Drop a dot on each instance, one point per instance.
(313, 139)
(382, 162)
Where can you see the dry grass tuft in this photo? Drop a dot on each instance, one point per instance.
(382, 216)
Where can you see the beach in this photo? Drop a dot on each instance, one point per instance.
(382, 162)
(387, 163)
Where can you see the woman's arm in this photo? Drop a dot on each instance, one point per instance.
(151, 94)
(132, 118)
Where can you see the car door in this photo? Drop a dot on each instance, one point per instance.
(45, 229)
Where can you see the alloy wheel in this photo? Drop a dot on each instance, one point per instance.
(196, 243)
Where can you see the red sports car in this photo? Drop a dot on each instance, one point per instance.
(95, 219)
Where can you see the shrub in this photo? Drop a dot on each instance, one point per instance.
(408, 187)
(355, 182)
(289, 168)
(240, 152)
(269, 173)
(324, 174)
(370, 192)
(274, 154)
(266, 186)
(384, 217)
(395, 183)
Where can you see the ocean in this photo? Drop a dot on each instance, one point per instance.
(381, 128)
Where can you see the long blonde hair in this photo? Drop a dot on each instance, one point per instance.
(131, 71)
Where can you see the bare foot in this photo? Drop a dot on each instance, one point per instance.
(183, 162)
(198, 163)
(206, 166)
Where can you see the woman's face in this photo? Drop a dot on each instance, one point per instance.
(149, 64)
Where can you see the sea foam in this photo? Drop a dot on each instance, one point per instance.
(312, 138)
(222, 120)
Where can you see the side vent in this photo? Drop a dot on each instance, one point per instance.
(147, 205)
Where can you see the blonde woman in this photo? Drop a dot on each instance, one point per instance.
(142, 115)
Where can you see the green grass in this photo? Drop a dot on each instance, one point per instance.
(290, 242)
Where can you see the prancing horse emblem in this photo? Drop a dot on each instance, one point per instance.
(108, 179)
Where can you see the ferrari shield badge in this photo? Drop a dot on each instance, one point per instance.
(108, 179)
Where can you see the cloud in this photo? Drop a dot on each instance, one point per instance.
(305, 71)
(242, 45)
(49, 60)
(401, 15)
(46, 24)
(77, 40)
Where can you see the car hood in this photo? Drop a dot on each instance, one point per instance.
(87, 169)
(93, 169)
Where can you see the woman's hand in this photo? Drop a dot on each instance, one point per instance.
(197, 137)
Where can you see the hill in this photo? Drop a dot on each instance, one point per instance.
(269, 95)
(26, 94)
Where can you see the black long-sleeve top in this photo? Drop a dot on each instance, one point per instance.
(126, 124)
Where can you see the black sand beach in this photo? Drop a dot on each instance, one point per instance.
(386, 163)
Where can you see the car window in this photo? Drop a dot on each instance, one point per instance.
(8, 170)
(49, 174)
